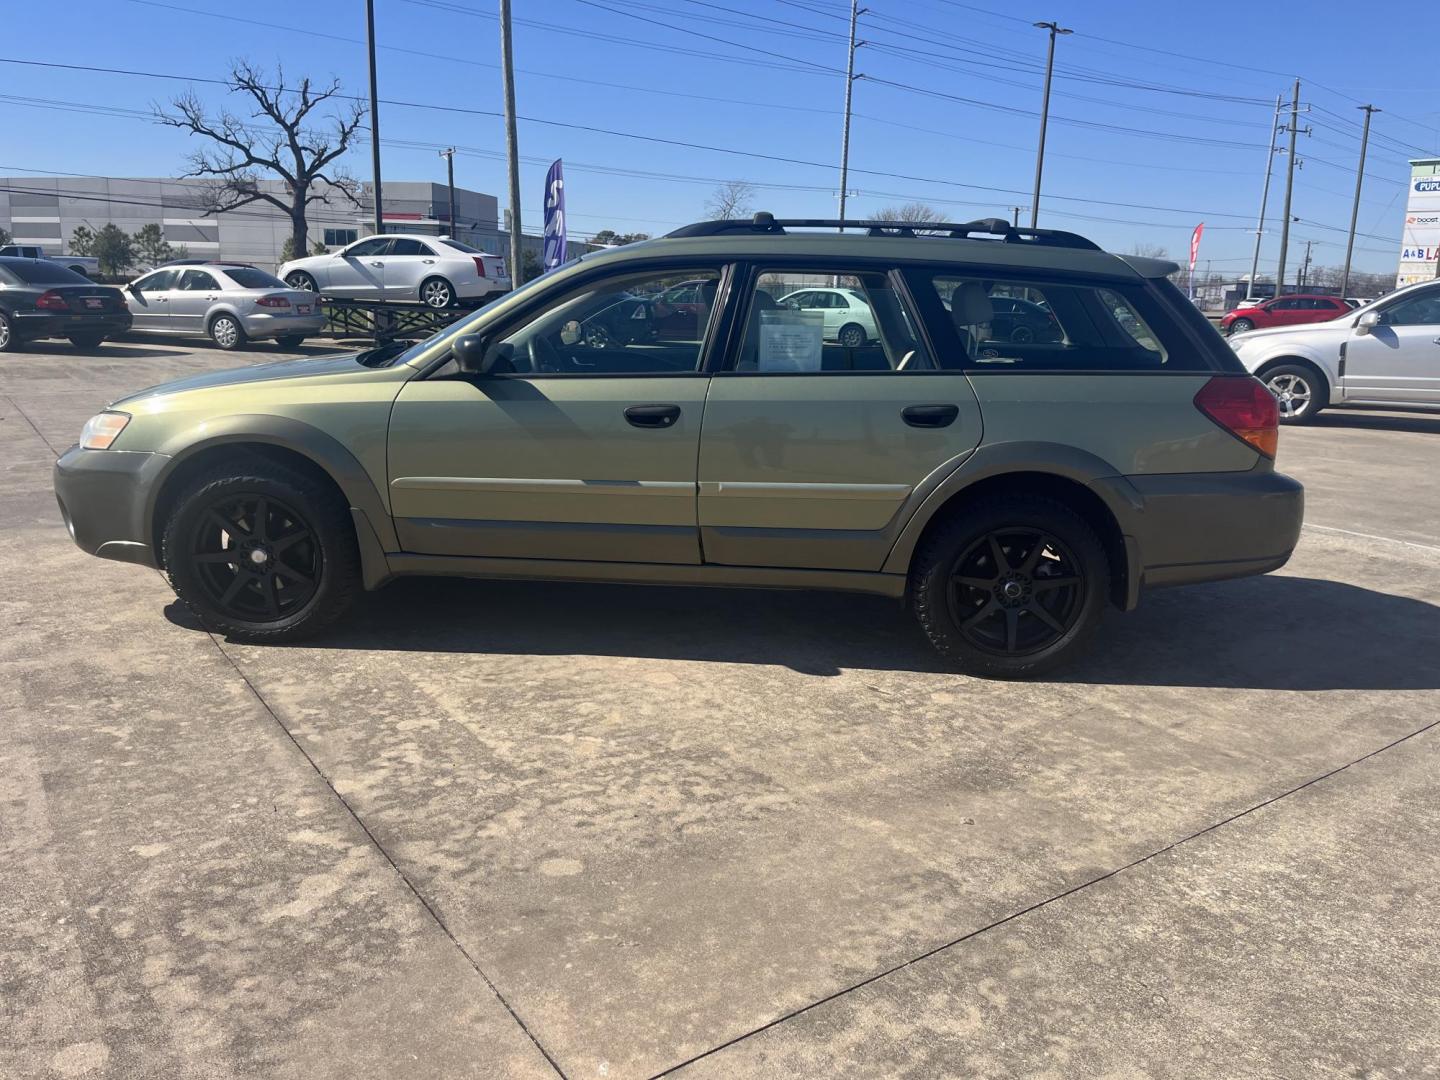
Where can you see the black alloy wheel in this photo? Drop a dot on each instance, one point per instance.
(256, 558)
(1015, 592)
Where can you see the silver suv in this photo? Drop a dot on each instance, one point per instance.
(231, 303)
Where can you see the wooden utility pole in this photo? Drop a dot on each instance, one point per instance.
(855, 11)
(1289, 189)
(449, 155)
(1054, 29)
(512, 141)
(1264, 199)
(1355, 208)
(374, 122)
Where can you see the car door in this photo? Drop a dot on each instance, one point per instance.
(190, 302)
(1399, 359)
(813, 452)
(357, 273)
(576, 446)
(407, 263)
(149, 301)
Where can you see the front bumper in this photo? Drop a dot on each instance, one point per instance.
(259, 325)
(104, 499)
(1193, 527)
(58, 324)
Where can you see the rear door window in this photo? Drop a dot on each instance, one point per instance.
(1003, 323)
(198, 281)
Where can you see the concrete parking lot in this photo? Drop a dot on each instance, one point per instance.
(507, 829)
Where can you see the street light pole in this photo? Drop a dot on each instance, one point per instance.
(374, 120)
(449, 155)
(855, 11)
(1054, 29)
(1355, 209)
(512, 141)
(1264, 199)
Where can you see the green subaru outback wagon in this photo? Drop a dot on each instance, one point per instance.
(1007, 429)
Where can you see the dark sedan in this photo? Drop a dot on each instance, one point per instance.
(42, 299)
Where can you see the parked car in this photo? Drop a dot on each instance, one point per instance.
(84, 265)
(1283, 311)
(230, 303)
(1386, 352)
(437, 271)
(42, 299)
(1005, 493)
(848, 318)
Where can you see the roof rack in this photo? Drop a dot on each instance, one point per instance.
(768, 224)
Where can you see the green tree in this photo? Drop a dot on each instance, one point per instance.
(151, 247)
(319, 248)
(4, 237)
(610, 238)
(82, 241)
(115, 248)
(530, 267)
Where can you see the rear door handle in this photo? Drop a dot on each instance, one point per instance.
(652, 416)
(930, 415)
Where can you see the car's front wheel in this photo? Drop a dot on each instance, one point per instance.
(1241, 326)
(1299, 392)
(1010, 587)
(261, 553)
(299, 279)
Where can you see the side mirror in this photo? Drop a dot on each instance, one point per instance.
(1368, 322)
(475, 355)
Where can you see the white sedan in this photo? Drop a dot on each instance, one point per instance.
(848, 318)
(437, 271)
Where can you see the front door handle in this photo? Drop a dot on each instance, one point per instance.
(652, 416)
(930, 415)
(377, 264)
(1435, 341)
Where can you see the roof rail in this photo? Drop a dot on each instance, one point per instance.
(768, 224)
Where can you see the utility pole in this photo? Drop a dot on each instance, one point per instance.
(1015, 214)
(1289, 189)
(1355, 209)
(374, 119)
(449, 155)
(855, 11)
(1054, 29)
(512, 141)
(1304, 278)
(1264, 199)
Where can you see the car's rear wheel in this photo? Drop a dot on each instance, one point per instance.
(1299, 390)
(299, 279)
(436, 292)
(8, 340)
(852, 335)
(1022, 335)
(226, 331)
(1010, 587)
(1241, 326)
(262, 553)
(86, 341)
(290, 341)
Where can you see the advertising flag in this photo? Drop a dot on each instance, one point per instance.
(1195, 244)
(554, 253)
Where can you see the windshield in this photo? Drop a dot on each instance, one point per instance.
(247, 277)
(437, 341)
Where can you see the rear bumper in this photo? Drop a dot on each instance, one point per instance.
(58, 324)
(268, 326)
(103, 495)
(1185, 528)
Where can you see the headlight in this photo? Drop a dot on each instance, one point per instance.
(102, 429)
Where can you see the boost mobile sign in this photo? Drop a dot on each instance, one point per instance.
(1420, 234)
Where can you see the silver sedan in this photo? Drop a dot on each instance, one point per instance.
(231, 303)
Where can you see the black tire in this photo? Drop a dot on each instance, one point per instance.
(852, 336)
(436, 292)
(86, 341)
(1240, 326)
(294, 590)
(9, 340)
(1056, 581)
(226, 332)
(299, 279)
(290, 341)
(1300, 391)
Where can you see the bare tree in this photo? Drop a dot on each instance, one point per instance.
(1149, 251)
(731, 199)
(282, 145)
(911, 211)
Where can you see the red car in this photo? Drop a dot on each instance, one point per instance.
(1284, 311)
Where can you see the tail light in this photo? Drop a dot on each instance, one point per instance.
(1243, 407)
(51, 300)
(272, 301)
(479, 266)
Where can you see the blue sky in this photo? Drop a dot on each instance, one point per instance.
(1160, 111)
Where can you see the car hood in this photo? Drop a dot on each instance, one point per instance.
(1316, 331)
(309, 367)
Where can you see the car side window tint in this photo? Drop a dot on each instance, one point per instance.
(405, 246)
(1004, 324)
(790, 329)
(197, 281)
(160, 281)
(618, 326)
(1423, 310)
(376, 245)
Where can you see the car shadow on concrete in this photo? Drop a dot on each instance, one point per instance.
(1269, 633)
(107, 350)
(1417, 422)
